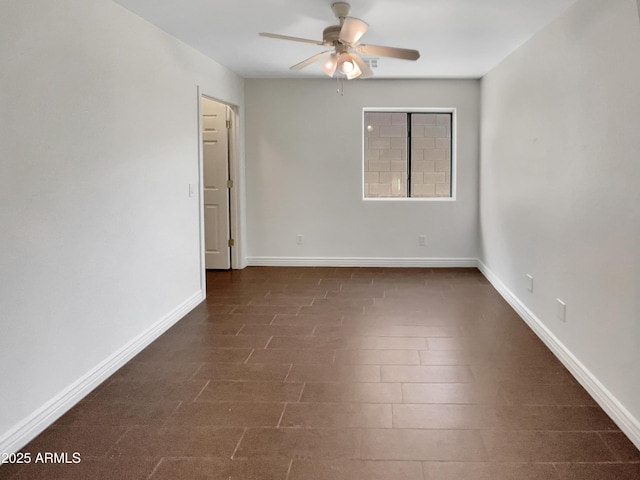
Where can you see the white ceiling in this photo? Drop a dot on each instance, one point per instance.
(456, 38)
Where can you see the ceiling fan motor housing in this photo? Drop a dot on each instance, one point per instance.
(331, 35)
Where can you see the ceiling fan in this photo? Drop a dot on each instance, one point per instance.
(345, 38)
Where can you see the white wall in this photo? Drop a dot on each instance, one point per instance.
(304, 174)
(560, 197)
(99, 239)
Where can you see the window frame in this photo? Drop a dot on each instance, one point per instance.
(454, 150)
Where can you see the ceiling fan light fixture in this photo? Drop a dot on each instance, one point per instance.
(355, 73)
(346, 64)
(329, 65)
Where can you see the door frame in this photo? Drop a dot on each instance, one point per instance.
(234, 193)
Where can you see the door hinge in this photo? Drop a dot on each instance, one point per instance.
(229, 183)
(231, 242)
(228, 123)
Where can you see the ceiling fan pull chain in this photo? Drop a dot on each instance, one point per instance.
(340, 89)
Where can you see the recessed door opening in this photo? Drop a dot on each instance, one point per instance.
(217, 152)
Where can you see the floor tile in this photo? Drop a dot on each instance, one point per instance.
(325, 309)
(202, 352)
(220, 469)
(216, 325)
(305, 320)
(266, 309)
(423, 331)
(89, 441)
(283, 299)
(355, 470)
(489, 471)
(457, 357)
(521, 393)
(299, 444)
(164, 370)
(455, 393)
(545, 446)
(311, 342)
(377, 357)
(132, 468)
(119, 414)
(351, 330)
(332, 415)
(231, 391)
(334, 373)
(343, 298)
(229, 300)
(179, 441)
(256, 372)
(120, 390)
(237, 342)
(463, 344)
(206, 308)
(528, 375)
(598, 471)
(290, 356)
(241, 319)
(352, 392)
(277, 330)
(227, 414)
(426, 374)
(392, 343)
(448, 417)
(435, 445)
(412, 319)
(621, 446)
(559, 418)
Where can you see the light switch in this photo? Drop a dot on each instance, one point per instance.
(193, 191)
(562, 310)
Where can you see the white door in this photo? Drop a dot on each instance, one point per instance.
(215, 157)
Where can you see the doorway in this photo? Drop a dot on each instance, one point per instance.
(218, 147)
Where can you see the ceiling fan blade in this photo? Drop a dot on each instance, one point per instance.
(310, 60)
(293, 39)
(366, 71)
(403, 53)
(352, 30)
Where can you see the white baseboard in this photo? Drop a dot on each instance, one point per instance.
(609, 403)
(42, 418)
(360, 262)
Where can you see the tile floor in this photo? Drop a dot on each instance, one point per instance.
(341, 373)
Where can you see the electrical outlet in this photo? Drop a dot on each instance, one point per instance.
(529, 283)
(561, 310)
(422, 240)
(300, 239)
